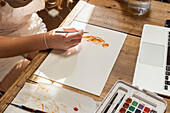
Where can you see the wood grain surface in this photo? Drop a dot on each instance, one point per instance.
(116, 14)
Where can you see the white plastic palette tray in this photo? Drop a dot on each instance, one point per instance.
(125, 98)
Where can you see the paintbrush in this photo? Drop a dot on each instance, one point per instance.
(118, 104)
(110, 103)
(68, 32)
(28, 108)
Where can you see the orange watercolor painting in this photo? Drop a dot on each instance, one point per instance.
(56, 106)
(38, 99)
(96, 40)
(64, 106)
(43, 87)
(42, 106)
(47, 108)
(53, 105)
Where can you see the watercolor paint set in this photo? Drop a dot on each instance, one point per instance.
(125, 98)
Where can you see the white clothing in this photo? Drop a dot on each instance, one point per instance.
(19, 22)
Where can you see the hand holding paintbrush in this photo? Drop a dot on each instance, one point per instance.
(62, 39)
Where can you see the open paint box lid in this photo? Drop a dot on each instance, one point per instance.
(125, 98)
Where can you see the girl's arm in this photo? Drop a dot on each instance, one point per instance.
(13, 46)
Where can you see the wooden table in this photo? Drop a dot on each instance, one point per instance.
(110, 14)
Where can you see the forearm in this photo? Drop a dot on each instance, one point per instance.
(13, 46)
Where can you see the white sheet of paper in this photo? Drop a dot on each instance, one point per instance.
(51, 99)
(89, 68)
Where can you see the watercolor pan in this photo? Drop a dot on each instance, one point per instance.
(134, 100)
(140, 106)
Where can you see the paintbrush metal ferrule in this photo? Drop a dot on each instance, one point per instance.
(68, 32)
